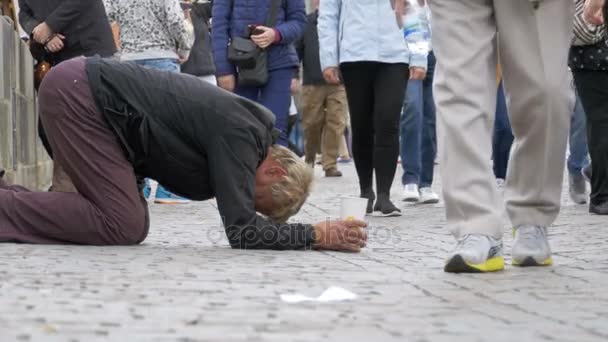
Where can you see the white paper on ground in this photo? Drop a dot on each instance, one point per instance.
(332, 294)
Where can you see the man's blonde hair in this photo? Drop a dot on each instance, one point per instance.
(289, 194)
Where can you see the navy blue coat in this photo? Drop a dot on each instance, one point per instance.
(231, 18)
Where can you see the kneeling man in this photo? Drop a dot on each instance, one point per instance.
(111, 123)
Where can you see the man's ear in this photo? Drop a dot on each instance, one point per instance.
(276, 171)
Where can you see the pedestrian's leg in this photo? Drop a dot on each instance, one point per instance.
(579, 153)
(534, 45)
(428, 148)
(335, 121)
(464, 34)
(411, 136)
(503, 137)
(108, 208)
(465, 94)
(251, 93)
(313, 113)
(390, 84)
(275, 95)
(592, 88)
(343, 152)
(359, 84)
(348, 134)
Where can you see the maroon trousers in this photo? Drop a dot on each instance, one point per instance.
(108, 208)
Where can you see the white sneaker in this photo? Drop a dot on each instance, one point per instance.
(577, 188)
(428, 196)
(500, 183)
(476, 253)
(531, 247)
(410, 193)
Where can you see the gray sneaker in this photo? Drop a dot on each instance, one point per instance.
(577, 188)
(531, 247)
(476, 253)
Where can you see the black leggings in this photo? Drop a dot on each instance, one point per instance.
(375, 94)
(592, 87)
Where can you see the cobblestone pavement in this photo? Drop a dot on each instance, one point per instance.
(185, 284)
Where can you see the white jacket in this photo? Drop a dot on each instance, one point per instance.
(361, 30)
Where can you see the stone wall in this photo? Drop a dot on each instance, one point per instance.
(21, 153)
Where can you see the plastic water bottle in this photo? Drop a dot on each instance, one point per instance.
(415, 29)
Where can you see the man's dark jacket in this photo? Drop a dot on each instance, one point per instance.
(196, 140)
(308, 52)
(84, 24)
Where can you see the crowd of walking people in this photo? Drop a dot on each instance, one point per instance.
(196, 95)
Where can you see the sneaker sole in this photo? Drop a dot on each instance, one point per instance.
(430, 201)
(163, 201)
(391, 214)
(531, 262)
(411, 199)
(458, 265)
(578, 200)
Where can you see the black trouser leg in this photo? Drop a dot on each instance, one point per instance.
(359, 83)
(592, 87)
(389, 86)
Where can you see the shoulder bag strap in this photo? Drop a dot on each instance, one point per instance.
(274, 12)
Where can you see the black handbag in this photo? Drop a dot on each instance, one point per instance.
(250, 60)
(243, 53)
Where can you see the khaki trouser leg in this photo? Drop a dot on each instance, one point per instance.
(533, 47)
(313, 117)
(343, 150)
(464, 34)
(335, 121)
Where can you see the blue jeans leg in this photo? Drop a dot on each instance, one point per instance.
(503, 137)
(428, 148)
(251, 93)
(411, 133)
(275, 96)
(579, 153)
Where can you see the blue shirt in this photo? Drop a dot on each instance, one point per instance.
(361, 30)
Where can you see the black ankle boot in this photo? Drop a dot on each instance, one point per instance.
(369, 194)
(599, 209)
(386, 207)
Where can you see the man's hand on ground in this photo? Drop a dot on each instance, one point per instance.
(42, 33)
(227, 82)
(332, 75)
(417, 73)
(594, 11)
(346, 236)
(55, 44)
